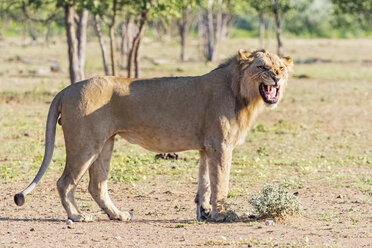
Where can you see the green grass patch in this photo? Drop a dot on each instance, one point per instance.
(31, 95)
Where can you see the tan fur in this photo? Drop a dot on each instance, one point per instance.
(209, 113)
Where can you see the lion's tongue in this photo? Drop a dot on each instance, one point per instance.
(270, 93)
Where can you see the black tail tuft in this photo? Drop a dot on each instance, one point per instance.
(19, 199)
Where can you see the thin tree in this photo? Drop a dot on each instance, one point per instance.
(279, 9)
(97, 28)
(111, 26)
(133, 68)
(218, 22)
(269, 32)
(201, 31)
(81, 34)
(213, 29)
(145, 10)
(76, 40)
(106, 11)
(183, 29)
(128, 30)
(210, 33)
(261, 6)
(262, 28)
(277, 27)
(72, 43)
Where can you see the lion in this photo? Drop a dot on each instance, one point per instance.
(210, 113)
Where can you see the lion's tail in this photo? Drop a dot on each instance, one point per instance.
(54, 111)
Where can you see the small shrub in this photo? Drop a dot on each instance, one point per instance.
(259, 128)
(262, 152)
(275, 202)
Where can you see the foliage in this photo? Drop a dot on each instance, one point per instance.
(276, 202)
(361, 8)
(314, 18)
(357, 11)
(321, 18)
(282, 6)
(260, 5)
(32, 17)
(310, 18)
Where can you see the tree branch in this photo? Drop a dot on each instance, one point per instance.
(46, 20)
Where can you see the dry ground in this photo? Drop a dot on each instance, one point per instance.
(317, 143)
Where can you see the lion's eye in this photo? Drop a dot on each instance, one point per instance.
(263, 67)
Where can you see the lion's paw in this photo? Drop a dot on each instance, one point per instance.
(123, 216)
(224, 216)
(81, 218)
(203, 212)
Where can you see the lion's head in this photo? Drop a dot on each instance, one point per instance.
(263, 74)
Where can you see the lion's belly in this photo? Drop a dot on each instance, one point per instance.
(162, 142)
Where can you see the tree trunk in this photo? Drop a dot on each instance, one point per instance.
(226, 20)
(32, 32)
(98, 30)
(183, 29)
(278, 29)
(269, 33)
(128, 31)
(201, 32)
(123, 43)
(112, 50)
(133, 53)
(82, 40)
(210, 32)
(219, 22)
(133, 67)
(112, 39)
(136, 56)
(262, 28)
(218, 33)
(47, 34)
(168, 31)
(72, 44)
(157, 30)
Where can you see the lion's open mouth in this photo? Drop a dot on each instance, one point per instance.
(269, 93)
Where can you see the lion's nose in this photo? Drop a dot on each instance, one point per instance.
(276, 80)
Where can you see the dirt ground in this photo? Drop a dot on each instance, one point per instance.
(166, 218)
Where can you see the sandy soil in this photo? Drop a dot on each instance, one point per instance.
(164, 217)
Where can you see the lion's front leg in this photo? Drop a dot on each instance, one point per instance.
(203, 196)
(219, 163)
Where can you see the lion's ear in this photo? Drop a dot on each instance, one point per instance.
(288, 61)
(244, 55)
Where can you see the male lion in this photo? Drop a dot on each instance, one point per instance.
(209, 113)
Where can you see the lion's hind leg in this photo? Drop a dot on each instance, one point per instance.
(98, 174)
(76, 166)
